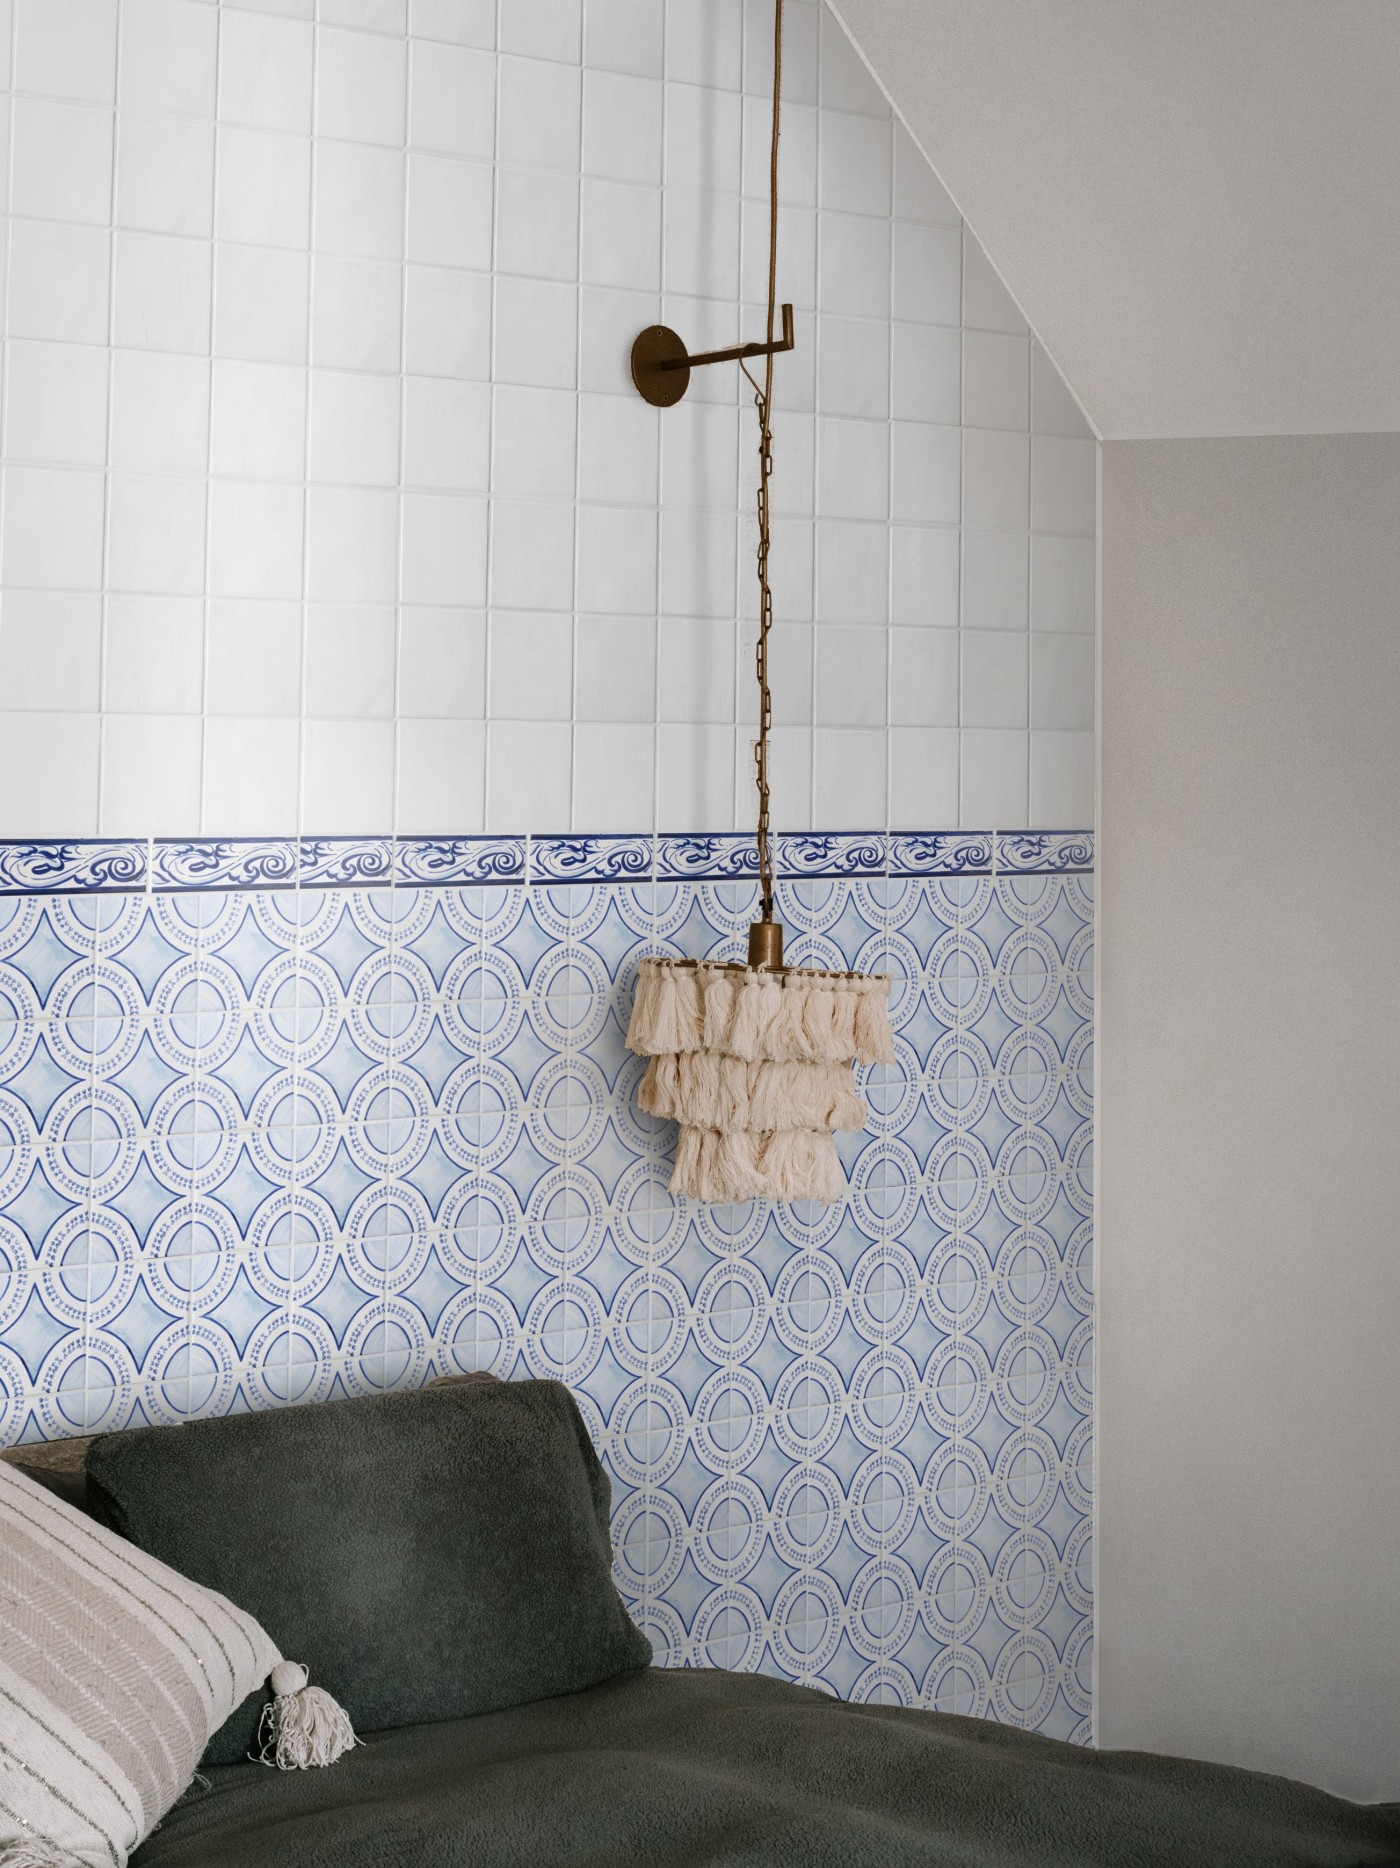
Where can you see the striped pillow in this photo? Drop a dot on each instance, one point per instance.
(114, 1671)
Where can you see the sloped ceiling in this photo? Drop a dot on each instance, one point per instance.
(1195, 202)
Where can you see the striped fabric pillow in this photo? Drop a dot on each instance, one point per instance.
(114, 1671)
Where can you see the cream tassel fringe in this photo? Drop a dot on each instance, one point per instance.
(811, 1017)
(33, 1853)
(757, 1071)
(304, 1727)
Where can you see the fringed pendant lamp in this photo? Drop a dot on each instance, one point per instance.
(754, 1061)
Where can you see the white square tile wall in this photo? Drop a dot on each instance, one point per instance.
(327, 501)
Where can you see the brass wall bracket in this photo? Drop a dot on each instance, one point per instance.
(661, 364)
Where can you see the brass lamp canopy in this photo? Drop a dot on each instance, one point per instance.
(766, 944)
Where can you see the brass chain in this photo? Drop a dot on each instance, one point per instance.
(763, 401)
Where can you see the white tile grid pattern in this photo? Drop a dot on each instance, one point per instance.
(328, 504)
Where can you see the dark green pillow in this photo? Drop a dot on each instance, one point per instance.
(426, 1555)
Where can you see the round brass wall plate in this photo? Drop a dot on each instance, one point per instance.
(656, 345)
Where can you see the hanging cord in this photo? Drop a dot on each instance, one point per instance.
(763, 401)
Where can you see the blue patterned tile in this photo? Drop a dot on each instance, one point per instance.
(344, 862)
(84, 867)
(700, 858)
(590, 859)
(263, 1143)
(942, 853)
(459, 862)
(1054, 852)
(848, 853)
(230, 863)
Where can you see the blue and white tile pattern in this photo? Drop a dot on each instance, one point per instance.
(280, 1121)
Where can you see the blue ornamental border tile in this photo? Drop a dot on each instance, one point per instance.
(79, 866)
(591, 859)
(1053, 852)
(941, 853)
(802, 853)
(459, 862)
(728, 858)
(179, 864)
(345, 862)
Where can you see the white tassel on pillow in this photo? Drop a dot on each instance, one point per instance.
(304, 1727)
(755, 1065)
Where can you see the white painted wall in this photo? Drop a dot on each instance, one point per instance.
(328, 503)
(1249, 1113)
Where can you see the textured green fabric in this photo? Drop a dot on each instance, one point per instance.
(712, 1770)
(426, 1555)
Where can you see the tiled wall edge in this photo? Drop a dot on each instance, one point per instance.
(97, 866)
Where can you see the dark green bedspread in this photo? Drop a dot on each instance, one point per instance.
(712, 1768)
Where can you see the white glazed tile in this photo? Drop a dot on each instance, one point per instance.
(918, 193)
(619, 235)
(622, 127)
(165, 175)
(169, 54)
(1062, 780)
(153, 655)
(987, 305)
(356, 315)
(456, 22)
(1062, 583)
(530, 666)
(441, 776)
(617, 560)
(447, 323)
(926, 473)
(447, 435)
(695, 669)
(852, 573)
(59, 279)
(1063, 485)
(441, 663)
(995, 679)
(349, 664)
(618, 439)
(924, 576)
(615, 674)
(852, 677)
(923, 777)
(797, 152)
(67, 48)
(853, 469)
(260, 304)
(163, 292)
(361, 87)
(61, 164)
(155, 535)
(850, 773)
(797, 260)
(452, 100)
(924, 684)
(160, 411)
(1062, 682)
(705, 44)
(695, 778)
(853, 372)
(151, 773)
(624, 35)
(253, 658)
(530, 771)
(700, 237)
(853, 277)
(265, 67)
(532, 555)
(996, 380)
(846, 81)
(704, 134)
(996, 479)
(256, 534)
(539, 114)
(1054, 410)
(856, 164)
(699, 457)
(352, 545)
(995, 778)
(48, 774)
(543, 29)
(927, 265)
(444, 550)
(994, 580)
(51, 652)
(264, 194)
(258, 421)
(614, 781)
(926, 373)
(359, 202)
(354, 429)
(56, 404)
(534, 442)
(347, 783)
(537, 223)
(251, 769)
(697, 564)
